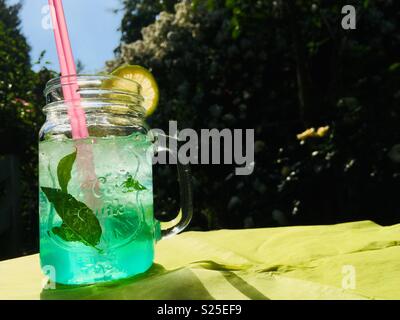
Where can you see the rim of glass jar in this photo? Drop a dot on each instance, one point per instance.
(81, 79)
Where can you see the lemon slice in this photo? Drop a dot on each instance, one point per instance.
(149, 88)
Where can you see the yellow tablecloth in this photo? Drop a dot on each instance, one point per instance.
(359, 260)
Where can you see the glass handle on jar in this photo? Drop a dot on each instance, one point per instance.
(184, 216)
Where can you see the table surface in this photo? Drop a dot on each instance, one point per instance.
(359, 260)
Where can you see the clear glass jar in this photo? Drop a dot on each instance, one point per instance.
(96, 194)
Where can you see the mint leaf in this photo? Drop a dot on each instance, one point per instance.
(64, 169)
(66, 233)
(79, 221)
(131, 185)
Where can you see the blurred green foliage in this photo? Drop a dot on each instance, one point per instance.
(20, 116)
(280, 67)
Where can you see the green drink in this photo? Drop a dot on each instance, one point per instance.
(125, 214)
(96, 195)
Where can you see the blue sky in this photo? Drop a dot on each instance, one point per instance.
(93, 28)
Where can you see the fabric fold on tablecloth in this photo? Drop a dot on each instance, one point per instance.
(358, 260)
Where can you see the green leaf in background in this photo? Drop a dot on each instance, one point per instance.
(394, 67)
(79, 221)
(131, 185)
(64, 169)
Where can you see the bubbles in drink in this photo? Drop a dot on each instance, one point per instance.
(124, 211)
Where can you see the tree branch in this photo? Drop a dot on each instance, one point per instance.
(304, 81)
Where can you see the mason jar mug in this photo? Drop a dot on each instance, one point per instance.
(96, 194)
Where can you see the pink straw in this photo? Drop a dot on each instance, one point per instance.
(76, 114)
(68, 71)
